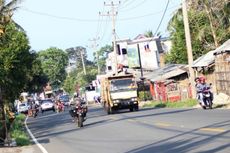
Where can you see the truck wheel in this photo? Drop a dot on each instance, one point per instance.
(136, 108)
(110, 110)
(131, 109)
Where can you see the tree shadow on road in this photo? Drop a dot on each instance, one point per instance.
(183, 142)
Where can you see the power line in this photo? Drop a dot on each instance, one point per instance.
(59, 17)
(132, 8)
(92, 20)
(166, 8)
(99, 23)
(127, 4)
(146, 15)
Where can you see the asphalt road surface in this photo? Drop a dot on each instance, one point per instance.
(146, 131)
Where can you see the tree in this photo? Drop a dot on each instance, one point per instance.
(178, 52)
(209, 27)
(102, 55)
(148, 34)
(76, 53)
(77, 77)
(6, 12)
(37, 78)
(53, 62)
(15, 61)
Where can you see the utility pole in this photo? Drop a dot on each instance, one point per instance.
(83, 62)
(94, 46)
(189, 47)
(113, 13)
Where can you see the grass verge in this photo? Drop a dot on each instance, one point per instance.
(180, 104)
(18, 131)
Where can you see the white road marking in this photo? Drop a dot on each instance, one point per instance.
(213, 129)
(34, 139)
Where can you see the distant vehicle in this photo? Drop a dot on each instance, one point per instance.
(65, 100)
(46, 105)
(90, 93)
(23, 107)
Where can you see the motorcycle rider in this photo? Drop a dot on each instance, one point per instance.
(34, 108)
(73, 103)
(60, 106)
(200, 87)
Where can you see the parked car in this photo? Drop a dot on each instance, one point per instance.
(46, 105)
(23, 107)
(65, 100)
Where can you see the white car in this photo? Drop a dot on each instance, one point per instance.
(23, 107)
(47, 104)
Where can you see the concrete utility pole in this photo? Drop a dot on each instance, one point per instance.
(83, 62)
(189, 47)
(113, 13)
(94, 46)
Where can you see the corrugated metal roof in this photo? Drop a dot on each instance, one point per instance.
(209, 58)
(205, 60)
(223, 48)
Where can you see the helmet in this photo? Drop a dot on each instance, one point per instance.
(202, 78)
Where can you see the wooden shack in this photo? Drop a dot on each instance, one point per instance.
(222, 71)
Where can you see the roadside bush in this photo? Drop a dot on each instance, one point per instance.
(144, 95)
(18, 131)
(180, 104)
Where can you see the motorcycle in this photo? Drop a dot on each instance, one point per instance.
(207, 99)
(79, 114)
(60, 108)
(35, 112)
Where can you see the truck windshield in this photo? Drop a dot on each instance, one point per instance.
(126, 84)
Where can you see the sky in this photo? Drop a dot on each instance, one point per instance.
(71, 23)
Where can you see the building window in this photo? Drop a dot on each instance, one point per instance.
(109, 67)
(124, 51)
(147, 49)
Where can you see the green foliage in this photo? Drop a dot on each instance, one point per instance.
(178, 52)
(207, 20)
(76, 54)
(18, 131)
(15, 61)
(144, 95)
(102, 55)
(54, 61)
(180, 104)
(78, 77)
(6, 11)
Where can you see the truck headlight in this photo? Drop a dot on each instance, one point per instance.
(116, 101)
(134, 99)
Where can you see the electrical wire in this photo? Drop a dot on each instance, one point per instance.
(99, 25)
(137, 5)
(92, 20)
(59, 17)
(105, 30)
(127, 4)
(166, 8)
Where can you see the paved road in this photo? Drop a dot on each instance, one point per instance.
(145, 131)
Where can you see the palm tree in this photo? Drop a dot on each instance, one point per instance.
(148, 34)
(6, 12)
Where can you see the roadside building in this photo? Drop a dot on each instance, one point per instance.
(148, 51)
(222, 68)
